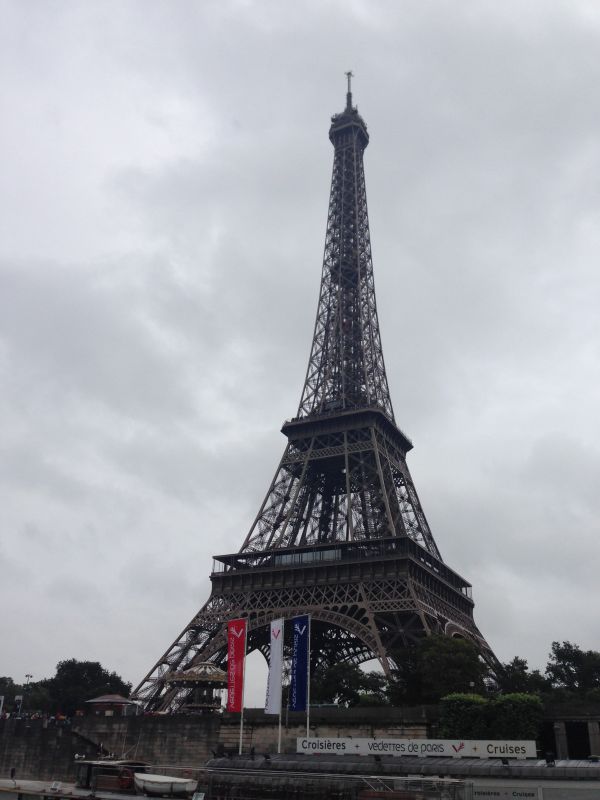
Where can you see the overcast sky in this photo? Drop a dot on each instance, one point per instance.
(163, 197)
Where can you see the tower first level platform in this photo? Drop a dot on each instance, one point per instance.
(388, 593)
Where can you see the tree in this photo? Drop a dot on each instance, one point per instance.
(347, 685)
(78, 681)
(515, 677)
(515, 716)
(573, 669)
(464, 716)
(37, 697)
(505, 716)
(450, 665)
(8, 689)
(405, 687)
(435, 667)
(373, 690)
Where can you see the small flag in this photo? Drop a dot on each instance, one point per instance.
(273, 700)
(300, 661)
(236, 654)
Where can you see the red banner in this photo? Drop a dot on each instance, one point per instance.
(236, 653)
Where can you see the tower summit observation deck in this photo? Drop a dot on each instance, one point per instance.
(341, 534)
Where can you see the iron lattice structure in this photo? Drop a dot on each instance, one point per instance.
(341, 534)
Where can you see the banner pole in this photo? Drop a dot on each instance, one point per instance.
(279, 733)
(243, 687)
(308, 681)
(280, 687)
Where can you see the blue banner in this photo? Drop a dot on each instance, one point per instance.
(300, 656)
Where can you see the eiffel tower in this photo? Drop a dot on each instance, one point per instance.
(341, 534)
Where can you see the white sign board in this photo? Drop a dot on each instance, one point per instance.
(507, 792)
(457, 748)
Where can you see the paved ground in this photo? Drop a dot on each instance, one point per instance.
(11, 789)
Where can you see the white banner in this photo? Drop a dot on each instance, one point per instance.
(457, 748)
(273, 701)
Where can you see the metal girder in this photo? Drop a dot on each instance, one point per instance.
(346, 367)
(340, 487)
(372, 614)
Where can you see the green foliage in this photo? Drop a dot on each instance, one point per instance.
(449, 665)
(37, 697)
(515, 677)
(435, 667)
(8, 689)
(515, 716)
(573, 669)
(78, 681)
(463, 716)
(369, 699)
(74, 683)
(509, 716)
(373, 690)
(405, 688)
(347, 685)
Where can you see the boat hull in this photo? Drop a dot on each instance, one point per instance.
(163, 785)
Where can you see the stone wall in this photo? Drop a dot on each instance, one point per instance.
(261, 731)
(179, 744)
(36, 750)
(166, 741)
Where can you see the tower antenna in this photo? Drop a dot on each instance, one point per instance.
(349, 75)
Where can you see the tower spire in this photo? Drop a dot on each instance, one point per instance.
(349, 76)
(346, 369)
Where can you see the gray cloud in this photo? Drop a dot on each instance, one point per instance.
(166, 172)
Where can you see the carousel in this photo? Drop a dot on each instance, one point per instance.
(205, 682)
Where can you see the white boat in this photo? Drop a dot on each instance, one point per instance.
(163, 785)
